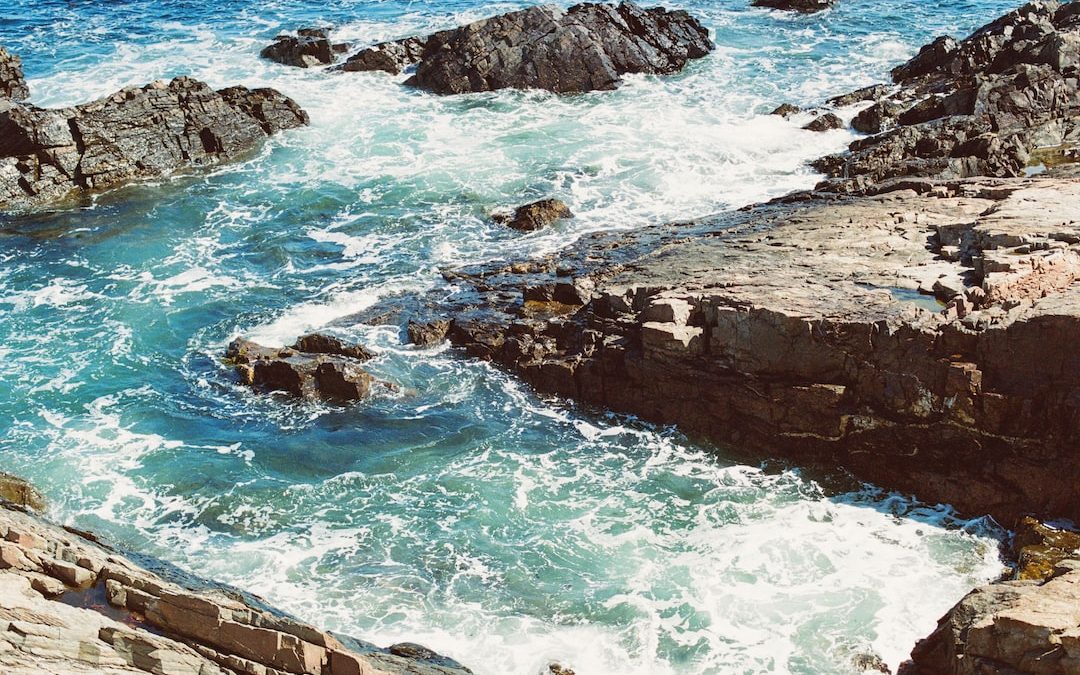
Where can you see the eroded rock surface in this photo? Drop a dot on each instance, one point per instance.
(585, 48)
(315, 367)
(922, 337)
(536, 215)
(983, 106)
(804, 6)
(309, 48)
(12, 83)
(69, 604)
(48, 155)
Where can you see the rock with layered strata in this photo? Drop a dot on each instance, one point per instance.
(315, 367)
(12, 83)
(983, 106)
(584, 48)
(138, 133)
(70, 604)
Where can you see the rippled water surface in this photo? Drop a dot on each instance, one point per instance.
(464, 512)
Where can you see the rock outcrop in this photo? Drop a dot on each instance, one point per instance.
(49, 155)
(310, 47)
(983, 106)
(315, 367)
(585, 48)
(804, 6)
(922, 337)
(536, 215)
(70, 604)
(12, 83)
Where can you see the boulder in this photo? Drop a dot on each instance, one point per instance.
(316, 367)
(535, 215)
(427, 333)
(585, 48)
(12, 83)
(392, 57)
(825, 122)
(804, 6)
(309, 48)
(18, 491)
(138, 133)
(786, 110)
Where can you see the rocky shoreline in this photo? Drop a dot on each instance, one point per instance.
(69, 603)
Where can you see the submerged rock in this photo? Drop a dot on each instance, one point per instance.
(585, 48)
(47, 155)
(805, 6)
(316, 367)
(311, 47)
(536, 215)
(12, 83)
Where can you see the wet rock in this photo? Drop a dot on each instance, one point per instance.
(870, 663)
(49, 155)
(1039, 548)
(427, 333)
(125, 618)
(786, 110)
(536, 215)
(825, 122)
(18, 491)
(392, 57)
(12, 83)
(559, 669)
(804, 6)
(310, 47)
(329, 371)
(585, 48)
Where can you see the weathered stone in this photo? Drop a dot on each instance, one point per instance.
(12, 83)
(317, 366)
(825, 122)
(427, 333)
(805, 6)
(317, 343)
(537, 215)
(135, 134)
(18, 491)
(310, 47)
(785, 110)
(587, 47)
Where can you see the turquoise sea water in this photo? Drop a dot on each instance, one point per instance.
(464, 512)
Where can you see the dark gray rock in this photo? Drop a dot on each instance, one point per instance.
(392, 57)
(786, 110)
(12, 82)
(804, 6)
(427, 333)
(825, 122)
(535, 215)
(309, 48)
(585, 48)
(318, 343)
(48, 155)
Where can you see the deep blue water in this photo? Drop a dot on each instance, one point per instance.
(464, 512)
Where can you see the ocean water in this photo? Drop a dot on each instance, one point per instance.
(465, 512)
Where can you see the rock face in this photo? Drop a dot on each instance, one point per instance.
(309, 48)
(977, 107)
(585, 48)
(69, 604)
(805, 6)
(135, 134)
(537, 215)
(921, 337)
(12, 84)
(317, 366)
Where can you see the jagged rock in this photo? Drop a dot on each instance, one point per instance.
(559, 669)
(182, 626)
(786, 110)
(137, 133)
(976, 107)
(310, 47)
(587, 47)
(427, 333)
(18, 491)
(825, 122)
(318, 366)
(805, 6)
(392, 57)
(1008, 628)
(536, 215)
(12, 83)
